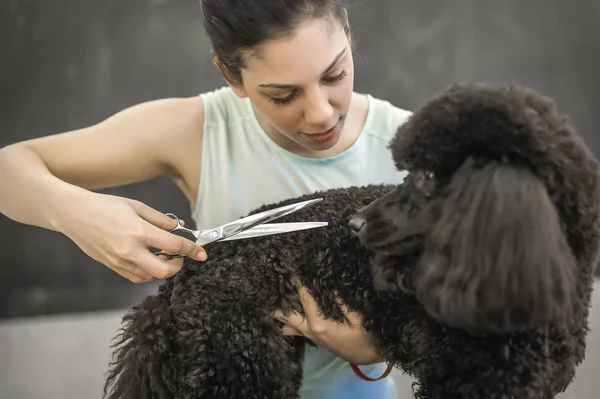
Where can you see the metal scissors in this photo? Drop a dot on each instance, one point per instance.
(251, 226)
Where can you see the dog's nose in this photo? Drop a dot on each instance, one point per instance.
(357, 223)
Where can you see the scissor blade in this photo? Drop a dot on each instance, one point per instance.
(274, 228)
(237, 226)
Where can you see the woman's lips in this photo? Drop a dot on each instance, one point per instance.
(323, 137)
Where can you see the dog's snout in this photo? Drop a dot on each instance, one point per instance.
(357, 223)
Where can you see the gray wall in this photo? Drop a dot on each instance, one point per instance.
(70, 63)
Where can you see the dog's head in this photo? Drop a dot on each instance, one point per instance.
(499, 209)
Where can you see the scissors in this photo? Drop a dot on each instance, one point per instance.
(251, 226)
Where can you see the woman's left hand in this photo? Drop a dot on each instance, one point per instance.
(348, 340)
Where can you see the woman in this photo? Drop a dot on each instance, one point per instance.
(287, 123)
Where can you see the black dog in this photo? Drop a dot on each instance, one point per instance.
(474, 276)
(209, 333)
(507, 240)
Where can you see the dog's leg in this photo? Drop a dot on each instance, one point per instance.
(212, 341)
(143, 366)
(228, 346)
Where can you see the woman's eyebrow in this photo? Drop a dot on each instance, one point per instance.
(291, 86)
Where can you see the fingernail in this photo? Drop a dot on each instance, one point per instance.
(202, 256)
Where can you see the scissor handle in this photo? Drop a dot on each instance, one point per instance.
(173, 216)
(182, 231)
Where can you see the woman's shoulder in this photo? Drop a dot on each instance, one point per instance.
(222, 105)
(384, 117)
(388, 109)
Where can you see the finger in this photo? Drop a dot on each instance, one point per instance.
(309, 304)
(141, 273)
(352, 317)
(290, 331)
(173, 266)
(131, 269)
(293, 320)
(316, 324)
(292, 317)
(163, 257)
(174, 244)
(278, 314)
(174, 263)
(157, 267)
(163, 239)
(153, 216)
(177, 262)
(134, 278)
(136, 271)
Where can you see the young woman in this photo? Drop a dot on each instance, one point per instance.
(287, 123)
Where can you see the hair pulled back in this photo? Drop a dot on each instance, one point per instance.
(234, 26)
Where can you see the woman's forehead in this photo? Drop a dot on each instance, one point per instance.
(305, 54)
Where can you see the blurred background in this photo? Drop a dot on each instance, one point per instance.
(70, 63)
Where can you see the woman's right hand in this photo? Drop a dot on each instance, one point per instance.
(119, 233)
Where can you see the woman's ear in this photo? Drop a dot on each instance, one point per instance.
(236, 86)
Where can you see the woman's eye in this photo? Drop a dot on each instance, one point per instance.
(337, 78)
(283, 100)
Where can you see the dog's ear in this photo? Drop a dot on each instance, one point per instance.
(142, 367)
(496, 259)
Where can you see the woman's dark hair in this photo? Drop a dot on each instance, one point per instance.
(233, 26)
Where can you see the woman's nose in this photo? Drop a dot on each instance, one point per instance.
(319, 111)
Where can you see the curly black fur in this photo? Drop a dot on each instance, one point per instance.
(474, 276)
(209, 332)
(507, 239)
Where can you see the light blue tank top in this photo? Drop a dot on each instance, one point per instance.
(242, 169)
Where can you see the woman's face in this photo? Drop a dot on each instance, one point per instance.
(301, 86)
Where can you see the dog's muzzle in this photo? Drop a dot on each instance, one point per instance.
(357, 224)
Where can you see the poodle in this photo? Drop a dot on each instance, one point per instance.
(498, 249)
(474, 276)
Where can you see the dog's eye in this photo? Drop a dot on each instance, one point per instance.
(423, 178)
(424, 181)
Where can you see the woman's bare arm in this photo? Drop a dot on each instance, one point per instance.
(47, 182)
